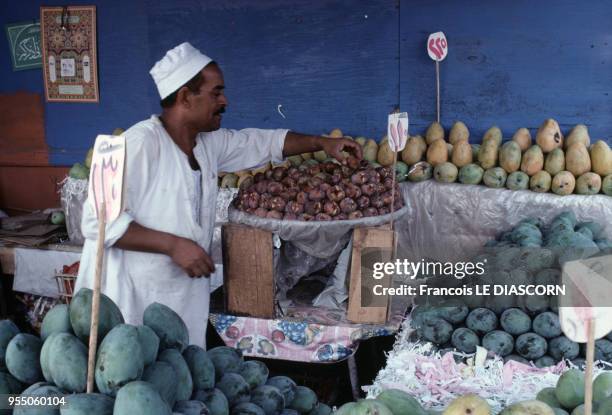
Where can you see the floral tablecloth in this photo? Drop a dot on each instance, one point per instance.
(304, 335)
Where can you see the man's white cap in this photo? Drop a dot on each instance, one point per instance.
(177, 67)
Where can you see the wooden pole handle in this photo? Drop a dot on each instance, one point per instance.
(588, 373)
(95, 300)
(438, 90)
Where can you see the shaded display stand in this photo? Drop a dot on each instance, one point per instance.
(443, 222)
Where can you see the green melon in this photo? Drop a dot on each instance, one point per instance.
(602, 387)
(23, 358)
(215, 401)
(247, 408)
(563, 183)
(321, 409)
(268, 398)
(88, 403)
(80, 315)
(168, 325)
(235, 388)
(420, 171)
(190, 408)
(140, 398)
(549, 397)
(371, 406)
(67, 360)
(44, 357)
(225, 360)
(400, 402)
(517, 181)
(305, 400)
(570, 389)
(8, 330)
(527, 408)
(119, 359)
(495, 177)
(79, 172)
(401, 171)
(286, 385)
(57, 320)
(588, 184)
(40, 389)
(471, 174)
(540, 182)
(9, 385)
(183, 379)
(255, 373)
(149, 343)
(349, 408)
(555, 161)
(510, 156)
(445, 172)
(163, 378)
(201, 367)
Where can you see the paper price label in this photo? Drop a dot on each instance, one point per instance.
(106, 175)
(588, 285)
(397, 131)
(437, 46)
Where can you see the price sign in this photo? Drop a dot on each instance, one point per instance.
(437, 46)
(397, 131)
(106, 176)
(588, 285)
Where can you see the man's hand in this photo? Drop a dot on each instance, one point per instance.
(296, 143)
(184, 252)
(192, 258)
(335, 146)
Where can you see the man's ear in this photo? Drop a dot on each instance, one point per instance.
(182, 96)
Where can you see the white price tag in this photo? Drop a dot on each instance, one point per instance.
(397, 131)
(437, 46)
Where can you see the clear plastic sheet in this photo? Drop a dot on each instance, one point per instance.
(320, 239)
(311, 246)
(451, 222)
(73, 196)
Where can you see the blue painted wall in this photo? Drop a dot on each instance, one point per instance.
(345, 64)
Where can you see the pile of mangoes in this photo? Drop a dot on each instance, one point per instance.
(523, 328)
(553, 163)
(148, 369)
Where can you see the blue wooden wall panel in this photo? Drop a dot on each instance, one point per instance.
(510, 63)
(328, 63)
(71, 128)
(513, 64)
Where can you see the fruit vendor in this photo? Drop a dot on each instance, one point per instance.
(158, 248)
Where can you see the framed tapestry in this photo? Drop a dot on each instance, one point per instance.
(68, 40)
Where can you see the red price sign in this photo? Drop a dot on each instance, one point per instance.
(437, 46)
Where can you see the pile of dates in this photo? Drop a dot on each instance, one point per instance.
(321, 192)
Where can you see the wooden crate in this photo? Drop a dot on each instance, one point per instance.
(378, 242)
(248, 271)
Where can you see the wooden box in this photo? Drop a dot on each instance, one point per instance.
(248, 272)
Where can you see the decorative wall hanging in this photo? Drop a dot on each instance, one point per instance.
(68, 39)
(24, 44)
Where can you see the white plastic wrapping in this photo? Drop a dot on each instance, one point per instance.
(73, 196)
(311, 246)
(451, 222)
(320, 239)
